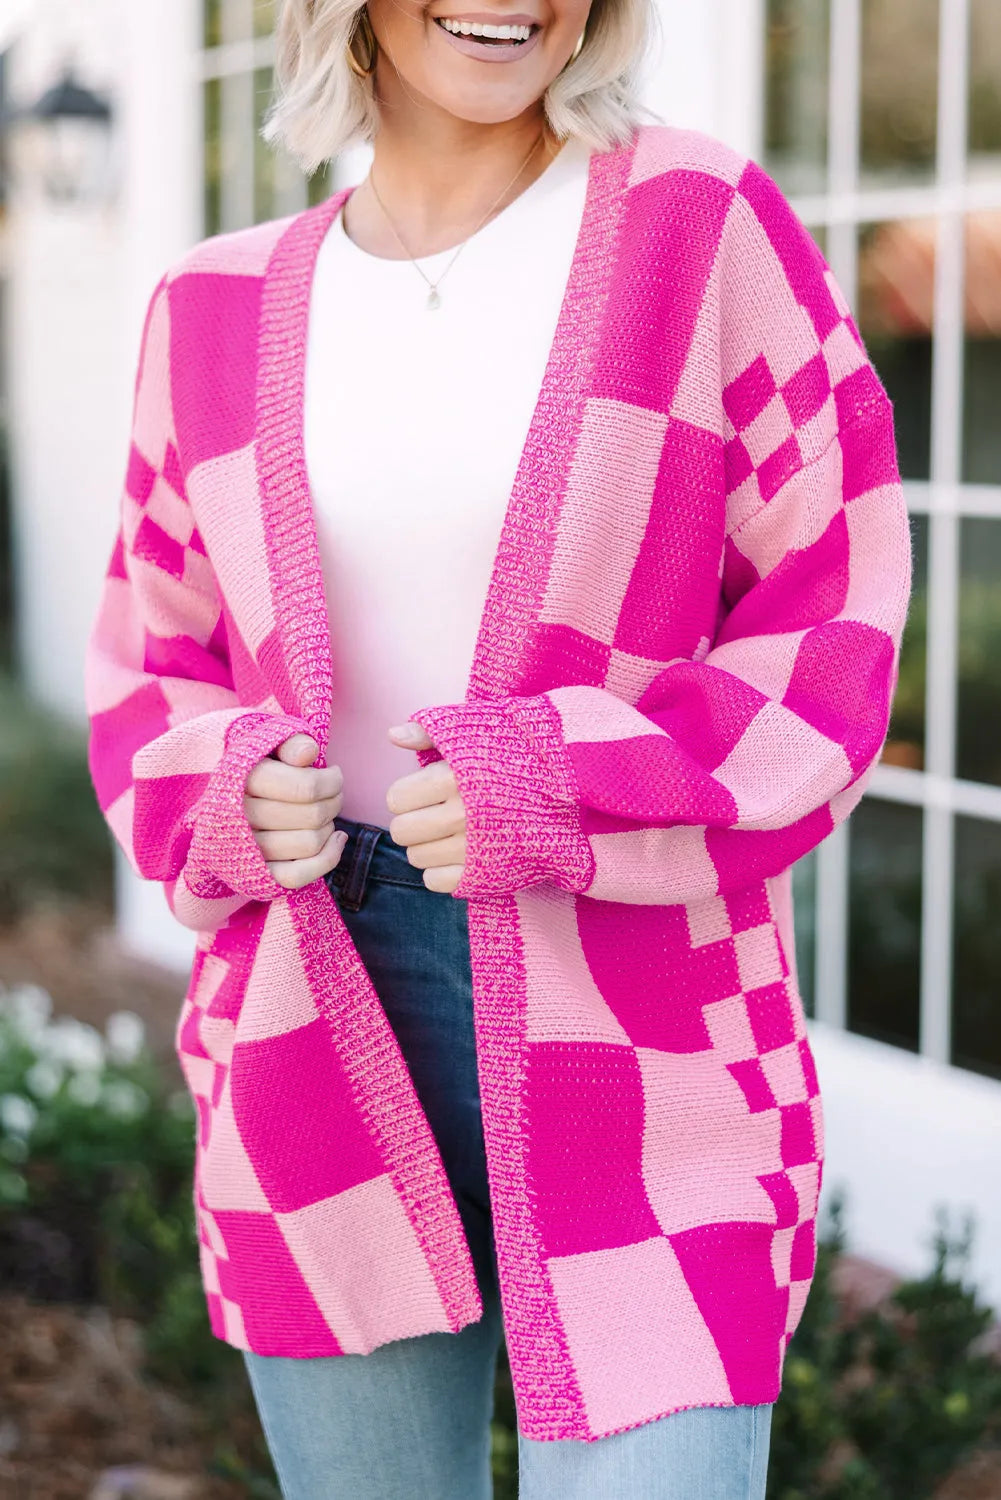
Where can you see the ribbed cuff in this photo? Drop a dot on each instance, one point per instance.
(517, 785)
(224, 857)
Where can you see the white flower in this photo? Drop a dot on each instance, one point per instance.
(73, 1043)
(17, 1114)
(126, 1100)
(44, 1078)
(126, 1036)
(85, 1088)
(28, 1008)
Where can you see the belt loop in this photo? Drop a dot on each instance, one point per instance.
(352, 892)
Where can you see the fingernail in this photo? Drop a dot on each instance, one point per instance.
(405, 731)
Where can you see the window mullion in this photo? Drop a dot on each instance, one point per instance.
(943, 572)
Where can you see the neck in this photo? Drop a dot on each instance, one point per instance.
(438, 176)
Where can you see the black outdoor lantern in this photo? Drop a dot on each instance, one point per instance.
(69, 140)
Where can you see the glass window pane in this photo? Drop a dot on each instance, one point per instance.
(982, 374)
(229, 152)
(899, 90)
(236, 20)
(905, 745)
(213, 156)
(796, 60)
(264, 17)
(279, 185)
(804, 895)
(976, 1004)
(985, 88)
(896, 300)
(884, 942)
(978, 730)
(321, 184)
(212, 22)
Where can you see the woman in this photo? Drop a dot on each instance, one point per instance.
(557, 425)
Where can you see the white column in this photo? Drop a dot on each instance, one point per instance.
(705, 68)
(161, 216)
(161, 109)
(64, 352)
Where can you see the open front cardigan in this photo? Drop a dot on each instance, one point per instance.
(681, 680)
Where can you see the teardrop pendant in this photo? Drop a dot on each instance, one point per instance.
(434, 301)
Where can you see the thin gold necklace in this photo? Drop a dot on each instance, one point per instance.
(434, 298)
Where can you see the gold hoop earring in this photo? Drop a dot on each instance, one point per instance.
(363, 30)
(578, 49)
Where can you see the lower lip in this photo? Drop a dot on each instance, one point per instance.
(484, 51)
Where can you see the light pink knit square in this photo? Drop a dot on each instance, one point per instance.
(226, 499)
(730, 1029)
(278, 996)
(623, 1311)
(768, 431)
(120, 816)
(236, 1333)
(364, 1266)
(842, 353)
(768, 671)
(798, 1293)
(678, 1141)
(563, 1003)
(226, 1177)
(872, 535)
(153, 423)
(758, 957)
(773, 789)
(782, 1254)
(757, 284)
(708, 922)
(806, 1181)
(660, 865)
(589, 715)
(603, 517)
(666, 148)
(169, 511)
(169, 600)
(784, 1072)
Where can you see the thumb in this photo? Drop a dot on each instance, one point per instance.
(300, 750)
(412, 735)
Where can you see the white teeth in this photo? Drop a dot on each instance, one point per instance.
(492, 33)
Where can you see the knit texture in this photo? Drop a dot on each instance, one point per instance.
(682, 678)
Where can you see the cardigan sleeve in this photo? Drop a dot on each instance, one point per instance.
(730, 767)
(170, 744)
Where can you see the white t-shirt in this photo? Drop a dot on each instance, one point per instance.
(415, 422)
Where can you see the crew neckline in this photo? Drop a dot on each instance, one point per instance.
(573, 155)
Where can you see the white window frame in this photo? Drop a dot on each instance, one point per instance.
(848, 203)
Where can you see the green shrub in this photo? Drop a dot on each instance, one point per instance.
(883, 1407)
(53, 839)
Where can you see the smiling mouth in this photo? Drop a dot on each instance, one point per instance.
(491, 36)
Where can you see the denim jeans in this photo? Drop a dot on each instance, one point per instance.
(411, 1420)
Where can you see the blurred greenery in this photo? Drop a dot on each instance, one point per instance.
(95, 1205)
(887, 1404)
(978, 748)
(54, 843)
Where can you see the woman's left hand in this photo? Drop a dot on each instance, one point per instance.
(430, 821)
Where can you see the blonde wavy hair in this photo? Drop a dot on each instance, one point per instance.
(320, 106)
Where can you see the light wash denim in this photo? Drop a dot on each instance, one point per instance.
(411, 1420)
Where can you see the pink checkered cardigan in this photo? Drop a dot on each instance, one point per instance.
(682, 677)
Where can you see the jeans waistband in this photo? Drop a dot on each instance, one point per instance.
(369, 854)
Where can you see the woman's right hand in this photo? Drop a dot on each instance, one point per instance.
(291, 807)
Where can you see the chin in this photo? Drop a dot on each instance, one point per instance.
(479, 105)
